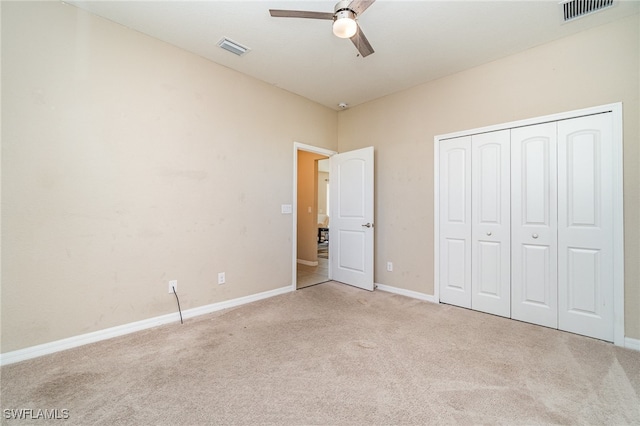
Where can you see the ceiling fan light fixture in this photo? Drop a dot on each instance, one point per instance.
(344, 24)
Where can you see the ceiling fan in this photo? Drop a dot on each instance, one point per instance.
(344, 17)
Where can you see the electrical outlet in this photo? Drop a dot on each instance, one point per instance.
(221, 278)
(173, 284)
(390, 266)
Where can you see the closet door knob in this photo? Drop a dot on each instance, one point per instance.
(535, 236)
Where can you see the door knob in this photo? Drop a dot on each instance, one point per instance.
(368, 225)
(535, 236)
(489, 233)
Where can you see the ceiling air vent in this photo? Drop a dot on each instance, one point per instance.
(574, 9)
(233, 47)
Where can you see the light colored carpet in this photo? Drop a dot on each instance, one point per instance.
(333, 354)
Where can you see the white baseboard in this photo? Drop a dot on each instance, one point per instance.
(408, 293)
(630, 343)
(96, 336)
(307, 262)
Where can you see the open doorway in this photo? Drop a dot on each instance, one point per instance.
(312, 249)
(351, 240)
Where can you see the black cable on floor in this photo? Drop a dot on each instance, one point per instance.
(178, 300)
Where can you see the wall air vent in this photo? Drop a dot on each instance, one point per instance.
(233, 47)
(574, 9)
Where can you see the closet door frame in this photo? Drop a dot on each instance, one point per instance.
(618, 217)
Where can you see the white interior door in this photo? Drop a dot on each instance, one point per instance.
(351, 218)
(534, 288)
(585, 226)
(455, 221)
(490, 223)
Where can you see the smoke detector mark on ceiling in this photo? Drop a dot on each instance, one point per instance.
(233, 47)
(574, 9)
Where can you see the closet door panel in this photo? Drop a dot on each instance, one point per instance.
(490, 223)
(455, 221)
(585, 226)
(534, 225)
(535, 282)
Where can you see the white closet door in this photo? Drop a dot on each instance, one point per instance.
(455, 221)
(490, 223)
(534, 291)
(585, 226)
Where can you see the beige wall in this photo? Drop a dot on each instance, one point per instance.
(307, 226)
(127, 162)
(595, 67)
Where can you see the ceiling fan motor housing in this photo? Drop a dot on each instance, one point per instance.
(343, 5)
(344, 13)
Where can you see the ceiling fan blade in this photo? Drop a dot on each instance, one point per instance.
(277, 13)
(362, 44)
(359, 6)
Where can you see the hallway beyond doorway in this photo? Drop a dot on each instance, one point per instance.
(312, 275)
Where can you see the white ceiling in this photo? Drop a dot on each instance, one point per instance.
(414, 41)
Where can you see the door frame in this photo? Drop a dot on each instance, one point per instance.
(618, 204)
(298, 146)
